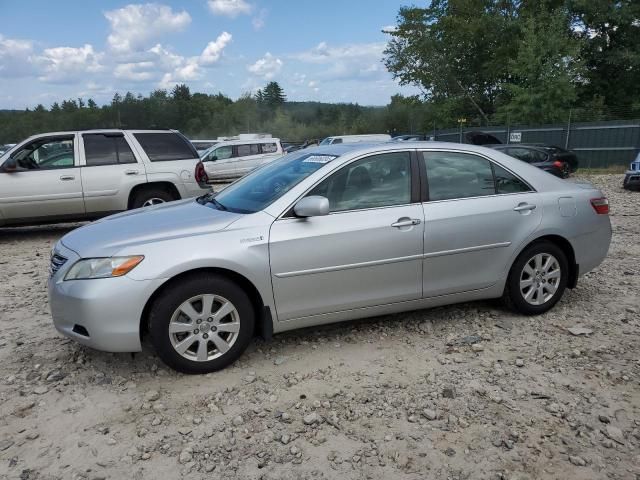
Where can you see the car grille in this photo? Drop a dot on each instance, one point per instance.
(57, 261)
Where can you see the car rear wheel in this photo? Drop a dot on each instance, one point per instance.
(537, 279)
(201, 324)
(151, 196)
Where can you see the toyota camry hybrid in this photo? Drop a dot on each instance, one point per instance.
(323, 235)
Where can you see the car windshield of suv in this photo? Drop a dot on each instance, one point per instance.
(265, 185)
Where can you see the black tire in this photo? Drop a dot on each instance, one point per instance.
(174, 295)
(513, 295)
(146, 194)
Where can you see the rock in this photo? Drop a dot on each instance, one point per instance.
(55, 376)
(111, 441)
(604, 419)
(184, 430)
(152, 395)
(477, 347)
(186, 456)
(4, 444)
(311, 418)
(519, 362)
(285, 438)
(429, 414)
(249, 379)
(412, 418)
(449, 452)
(449, 392)
(578, 330)
(41, 390)
(285, 417)
(578, 461)
(614, 433)
(279, 360)
(237, 421)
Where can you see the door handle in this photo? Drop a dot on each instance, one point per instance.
(67, 177)
(409, 222)
(131, 172)
(523, 207)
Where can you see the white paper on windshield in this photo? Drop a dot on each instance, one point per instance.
(319, 159)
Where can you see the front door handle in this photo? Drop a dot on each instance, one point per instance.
(131, 172)
(406, 222)
(523, 207)
(67, 177)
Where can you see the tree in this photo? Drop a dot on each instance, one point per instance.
(545, 72)
(273, 95)
(455, 49)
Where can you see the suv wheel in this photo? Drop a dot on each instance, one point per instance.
(537, 279)
(201, 324)
(151, 196)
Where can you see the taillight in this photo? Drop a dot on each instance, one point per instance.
(201, 174)
(559, 164)
(600, 205)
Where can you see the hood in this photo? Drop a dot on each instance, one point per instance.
(481, 138)
(106, 237)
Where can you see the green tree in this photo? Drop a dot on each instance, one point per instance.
(545, 72)
(273, 95)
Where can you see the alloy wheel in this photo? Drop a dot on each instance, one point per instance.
(204, 327)
(152, 201)
(540, 278)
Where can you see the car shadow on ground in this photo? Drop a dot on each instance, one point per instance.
(34, 231)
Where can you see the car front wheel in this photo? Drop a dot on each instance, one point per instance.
(201, 324)
(537, 279)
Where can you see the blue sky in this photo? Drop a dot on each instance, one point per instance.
(328, 51)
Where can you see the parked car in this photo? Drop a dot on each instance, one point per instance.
(66, 176)
(323, 235)
(632, 176)
(202, 146)
(417, 137)
(378, 137)
(235, 158)
(536, 156)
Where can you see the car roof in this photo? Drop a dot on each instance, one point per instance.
(244, 142)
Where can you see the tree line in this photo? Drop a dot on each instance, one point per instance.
(476, 62)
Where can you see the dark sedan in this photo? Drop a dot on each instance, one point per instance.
(539, 156)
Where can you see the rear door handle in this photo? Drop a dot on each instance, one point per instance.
(131, 172)
(523, 207)
(67, 177)
(409, 222)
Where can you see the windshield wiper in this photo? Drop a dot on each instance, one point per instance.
(218, 205)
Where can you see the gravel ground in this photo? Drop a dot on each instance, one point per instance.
(463, 392)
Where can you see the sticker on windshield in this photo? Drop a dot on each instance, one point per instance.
(319, 159)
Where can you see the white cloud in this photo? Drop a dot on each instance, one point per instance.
(259, 20)
(15, 57)
(213, 50)
(135, 71)
(267, 67)
(390, 29)
(230, 8)
(323, 53)
(135, 26)
(68, 64)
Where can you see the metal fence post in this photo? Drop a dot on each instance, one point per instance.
(566, 143)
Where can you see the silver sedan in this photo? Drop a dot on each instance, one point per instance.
(324, 235)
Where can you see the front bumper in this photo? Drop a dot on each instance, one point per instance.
(103, 313)
(631, 180)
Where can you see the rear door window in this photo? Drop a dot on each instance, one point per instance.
(269, 148)
(453, 175)
(101, 149)
(165, 146)
(246, 150)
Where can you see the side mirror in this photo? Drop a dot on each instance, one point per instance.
(313, 206)
(10, 165)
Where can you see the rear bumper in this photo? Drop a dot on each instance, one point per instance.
(631, 180)
(195, 189)
(592, 248)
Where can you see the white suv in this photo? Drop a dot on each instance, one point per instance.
(235, 158)
(63, 176)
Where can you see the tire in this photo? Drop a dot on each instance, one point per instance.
(151, 196)
(524, 300)
(186, 333)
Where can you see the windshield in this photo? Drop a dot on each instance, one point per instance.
(326, 141)
(265, 185)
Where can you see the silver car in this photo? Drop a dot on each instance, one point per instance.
(323, 235)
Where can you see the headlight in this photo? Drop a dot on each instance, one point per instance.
(102, 267)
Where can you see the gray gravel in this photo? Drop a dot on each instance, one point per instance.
(462, 392)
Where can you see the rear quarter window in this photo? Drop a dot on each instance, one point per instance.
(163, 147)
